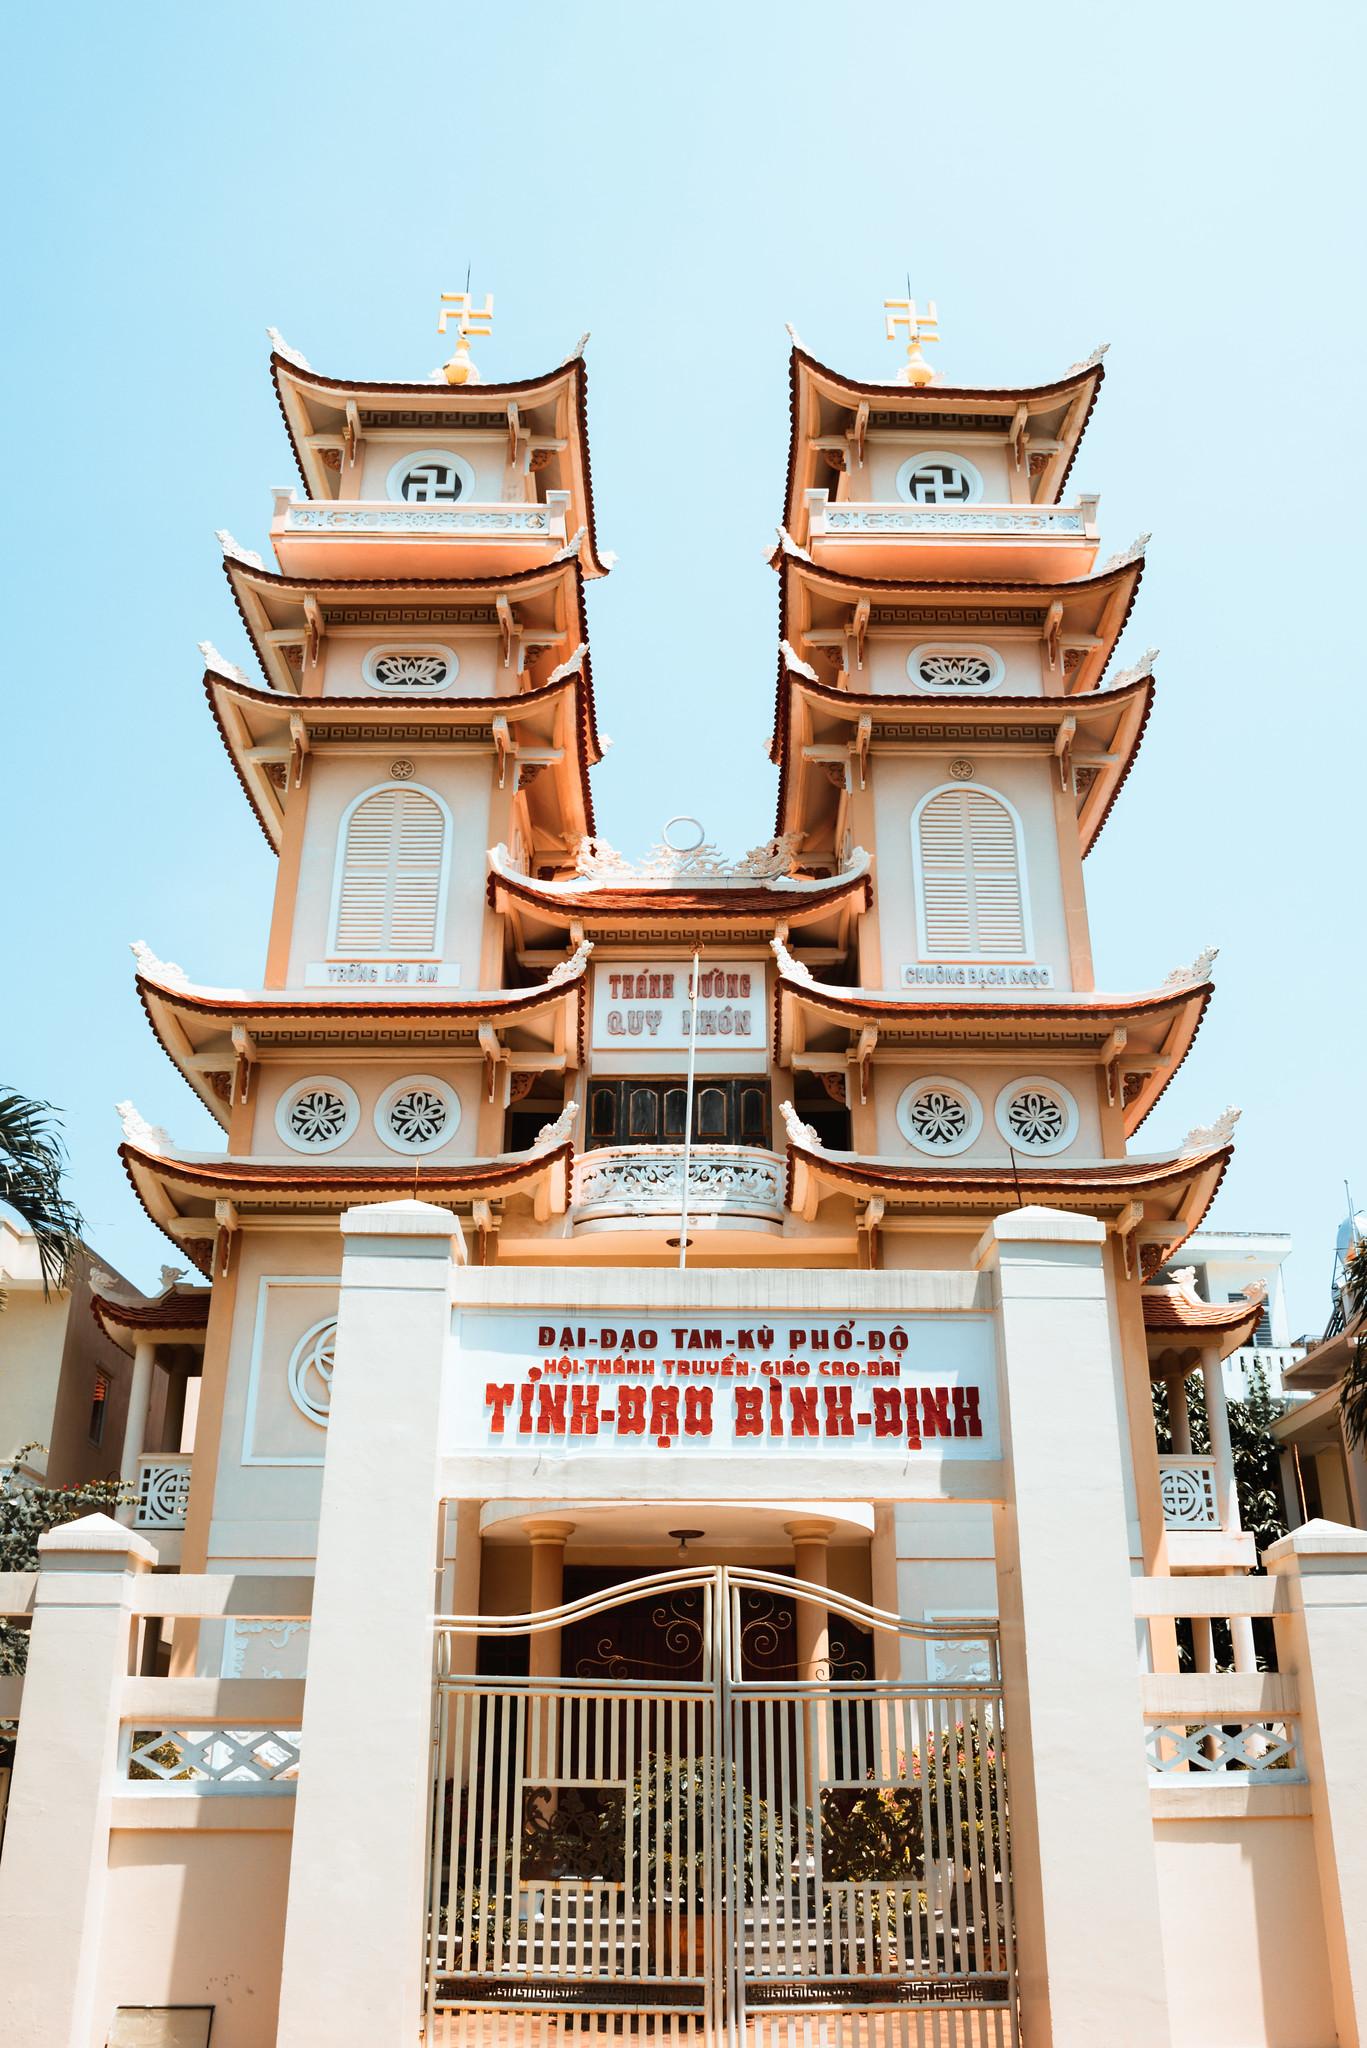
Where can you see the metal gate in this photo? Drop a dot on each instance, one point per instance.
(720, 1855)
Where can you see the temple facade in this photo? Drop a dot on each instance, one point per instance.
(697, 1520)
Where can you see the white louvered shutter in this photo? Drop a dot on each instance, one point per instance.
(391, 875)
(970, 878)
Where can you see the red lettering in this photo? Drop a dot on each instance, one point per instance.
(697, 1411)
(775, 1408)
(500, 1399)
(967, 1421)
(802, 1411)
(664, 1414)
(550, 1410)
(839, 1415)
(631, 1411)
(935, 1411)
(583, 1411)
(749, 1411)
(887, 1411)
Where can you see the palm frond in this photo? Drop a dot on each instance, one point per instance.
(33, 1162)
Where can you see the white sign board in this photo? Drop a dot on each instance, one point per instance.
(643, 1006)
(976, 974)
(530, 1383)
(382, 973)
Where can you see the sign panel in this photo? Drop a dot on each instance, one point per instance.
(534, 1384)
(386, 973)
(642, 1006)
(975, 974)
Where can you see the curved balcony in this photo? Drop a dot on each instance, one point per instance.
(354, 537)
(1051, 542)
(640, 1187)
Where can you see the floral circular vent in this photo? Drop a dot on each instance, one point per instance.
(317, 1114)
(417, 1114)
(939, 1115)
(1036, 1115)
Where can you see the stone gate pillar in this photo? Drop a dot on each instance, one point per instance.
(1088, 1936)
(352, 1970)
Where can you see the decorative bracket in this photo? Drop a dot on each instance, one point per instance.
(244, 1049)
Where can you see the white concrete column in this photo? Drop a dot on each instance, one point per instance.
(810, 1562)
(1226, 1492)
(352, 1968)
(1323, 1642)
(548, 1540)
(53, 1873)
(1089, 1944)
(135, 1431)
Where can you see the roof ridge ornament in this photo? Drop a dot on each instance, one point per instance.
(790, 968)
(576, 354)
(138, 1131)
(795, 664)
(1127, 555)
(234, 551)
(1142, 668)
(1088, 362)
(794, 336)
(571, 966)
(1199, 970)
(1201, 1137)
(556, 1133)
(571, 666)
(786, 545)
(221, 665)
(287, 354)
(471, 320)
(920, 329)
(798, 1132)
(164, 971)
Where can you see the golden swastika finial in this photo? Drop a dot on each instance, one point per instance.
(920, 327)
(470, 320)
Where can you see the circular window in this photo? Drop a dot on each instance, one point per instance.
(410, 669)
(310, 1371)
(950, 665)
(317, 1115)
(1035, 1115)
(418, 1114)
(935, 478)
(432, 476)
(938, 1115)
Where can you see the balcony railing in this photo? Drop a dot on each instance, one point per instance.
(163, 1488)
(360, 536)
(641, 1186)
(1053, 540)
(1188, 1489)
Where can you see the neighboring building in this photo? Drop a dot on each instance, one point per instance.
(1322, 1473)
(675, 1429)
(1225, 1264)
(63, 1385)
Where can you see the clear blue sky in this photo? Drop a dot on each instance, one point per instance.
(1182, 181)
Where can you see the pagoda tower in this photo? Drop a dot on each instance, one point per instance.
(469, 997)
(675, 1341)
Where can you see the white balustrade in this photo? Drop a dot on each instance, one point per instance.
(361, 519)
(1188, 1489)
(163, 1488)
(641, 1182)
(213, 1759)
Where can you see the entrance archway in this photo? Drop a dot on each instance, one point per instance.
(719, 1851)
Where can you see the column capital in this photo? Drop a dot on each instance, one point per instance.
(539, 1531)
(95, 1543)
(1039, 1226)
(406, 1219)
(812, 1531)
(1318, 1546)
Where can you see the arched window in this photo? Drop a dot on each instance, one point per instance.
(970, 876)
(391, 877)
